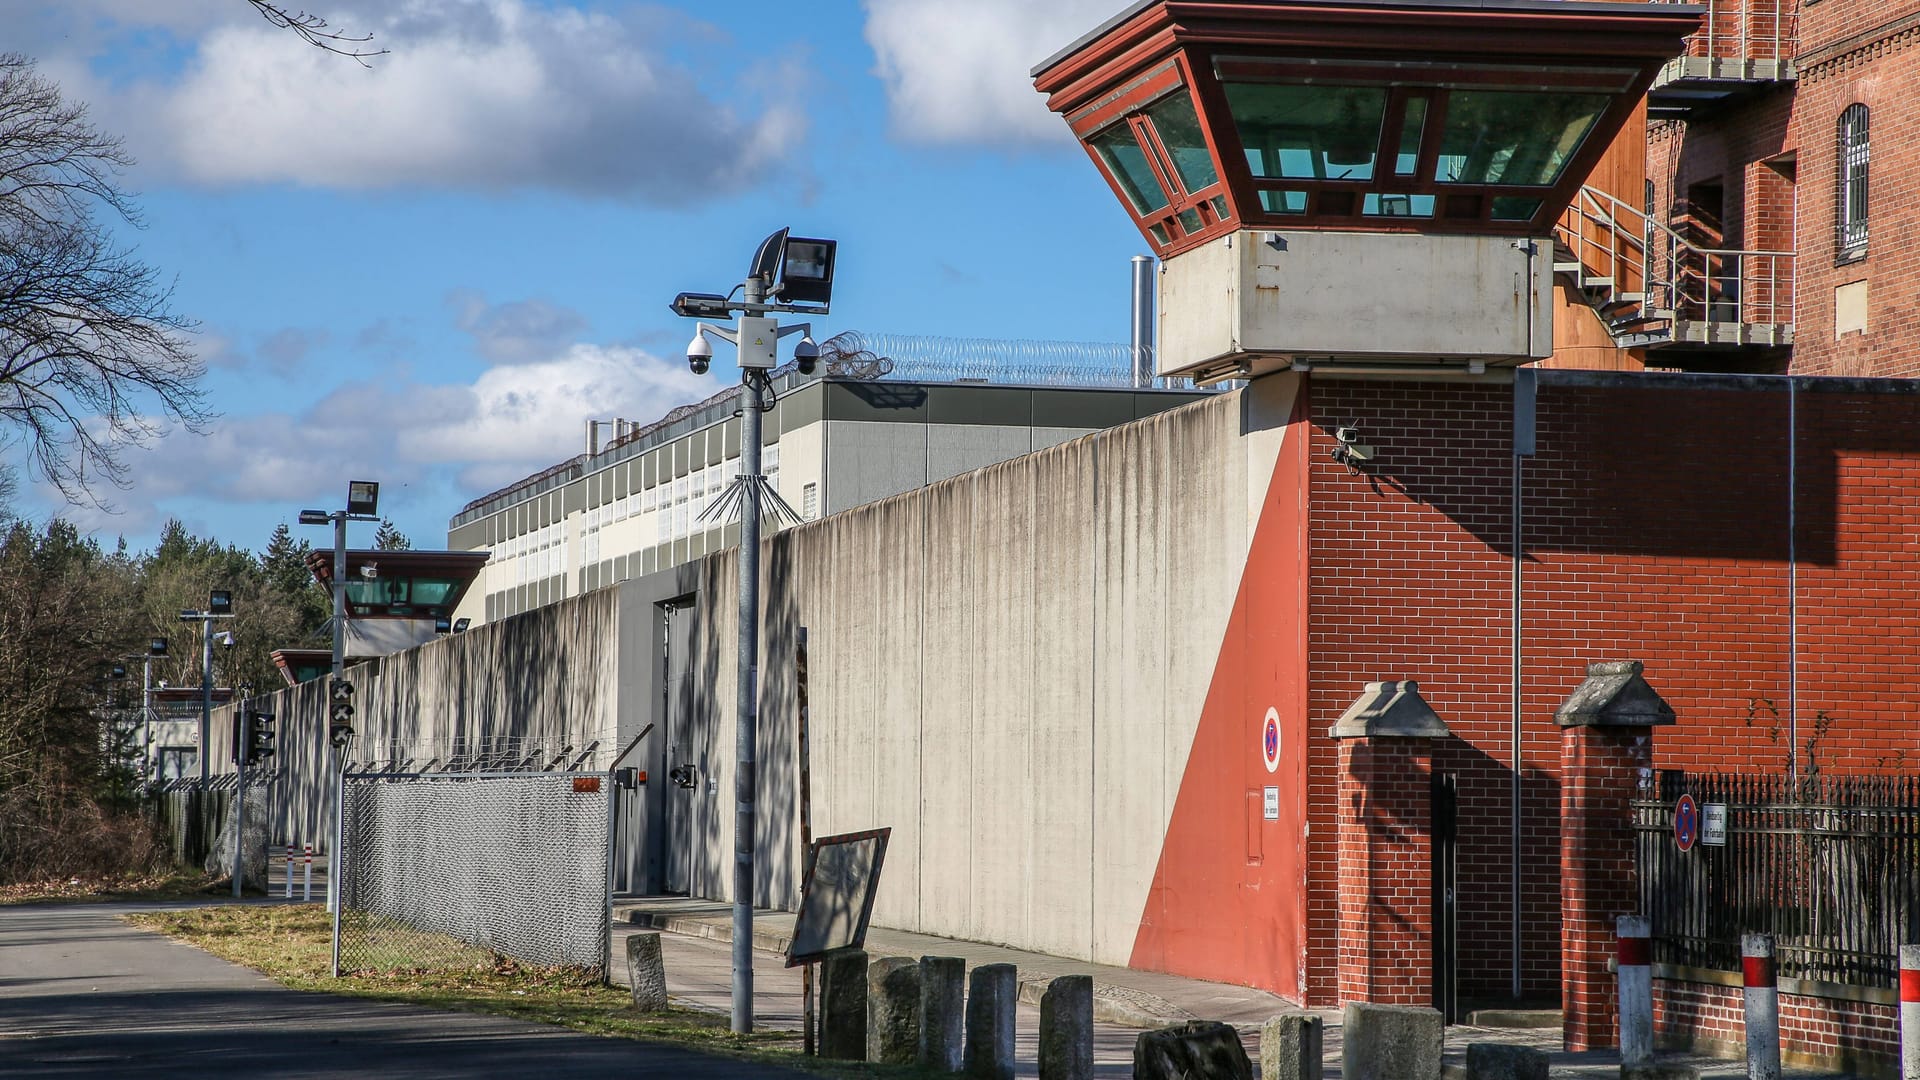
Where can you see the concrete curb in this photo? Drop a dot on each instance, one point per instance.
(1111, 1004)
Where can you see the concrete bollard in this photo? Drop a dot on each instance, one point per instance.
(893, 1010)
(647, 971)
(1390, 1042)
(993, 993)
(1763, 1007)
(1291, 1048)
(943, 981)
(1066, 1029)
(1910, 1012)
(1635, 954)
(1195, 1050)
(1504, 1061)
(843, 1005)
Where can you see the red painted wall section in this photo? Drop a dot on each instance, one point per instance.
(1228, 900)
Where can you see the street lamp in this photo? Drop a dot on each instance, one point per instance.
(219, 606)
(788, 274)
(156, 647)
(363, 501)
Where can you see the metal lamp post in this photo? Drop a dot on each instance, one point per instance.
(363, 501)
(219, 606)
(788, 274)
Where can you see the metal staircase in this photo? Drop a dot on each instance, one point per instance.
(1742, 46)
(1654, 288)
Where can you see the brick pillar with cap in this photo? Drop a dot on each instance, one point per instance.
(1606, 747)
(1386, 846)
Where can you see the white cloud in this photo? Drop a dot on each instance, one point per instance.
(960, 73)
(486, 95)
(517, 330)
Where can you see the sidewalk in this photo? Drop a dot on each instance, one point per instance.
(1125, 1000)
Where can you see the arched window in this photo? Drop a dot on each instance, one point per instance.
(1851, 203)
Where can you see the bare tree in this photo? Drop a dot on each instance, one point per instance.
(92, 356)
(317, 32)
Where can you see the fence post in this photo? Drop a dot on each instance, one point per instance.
(1636, 990)
(1763, 1007)
(1910, 1012)
(289, 871)
(306, 884)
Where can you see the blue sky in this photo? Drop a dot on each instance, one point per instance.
(429, 272)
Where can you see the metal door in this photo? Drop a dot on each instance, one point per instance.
(679, 764)
(1446, 830)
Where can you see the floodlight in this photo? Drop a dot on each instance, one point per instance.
(363, 496)
(220, 602)
(314, 517)
(157, 647)
(442, 625)
(806, 273)
(119, 671)
(700, 305)
(460, 625)
(189, 615)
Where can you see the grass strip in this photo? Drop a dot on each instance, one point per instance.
(292, 944)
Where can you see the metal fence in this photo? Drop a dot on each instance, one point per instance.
(191, 814)
(452, 870)
(1829, 866)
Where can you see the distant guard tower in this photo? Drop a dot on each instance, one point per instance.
(1357, 184)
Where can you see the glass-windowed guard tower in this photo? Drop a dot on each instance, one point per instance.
(1355, 182)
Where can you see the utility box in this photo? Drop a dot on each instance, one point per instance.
(1256, 301)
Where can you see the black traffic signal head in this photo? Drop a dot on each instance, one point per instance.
(259, 736)
(339, 711)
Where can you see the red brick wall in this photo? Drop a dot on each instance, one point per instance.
(1386, 848)
(1656, 529)
(1815, 1032)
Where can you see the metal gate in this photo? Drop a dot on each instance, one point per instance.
(1446, 918)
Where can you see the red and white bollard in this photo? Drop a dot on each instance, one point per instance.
(1635, 962)
(1763, 1007)
(289, 871)
(1910, 1012)
(306, 889)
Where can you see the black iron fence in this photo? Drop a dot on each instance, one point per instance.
(1829, 866)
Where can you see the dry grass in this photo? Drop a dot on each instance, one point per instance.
(292, 944)
(165, 885)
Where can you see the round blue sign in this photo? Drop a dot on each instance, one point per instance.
(1686, 823)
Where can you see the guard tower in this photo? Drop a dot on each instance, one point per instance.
(1360, 184)
(399, 599)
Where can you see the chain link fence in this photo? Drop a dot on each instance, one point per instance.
(455, 870)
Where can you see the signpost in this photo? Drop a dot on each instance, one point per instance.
(1686, 823)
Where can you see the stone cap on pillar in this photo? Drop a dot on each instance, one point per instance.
(1614, 694)
(1390, 710)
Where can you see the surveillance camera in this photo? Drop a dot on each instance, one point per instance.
(806, 354)
(699, 353)
(1348, 435)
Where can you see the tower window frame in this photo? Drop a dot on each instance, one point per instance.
(1853, 161)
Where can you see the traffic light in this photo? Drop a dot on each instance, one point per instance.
(259, 736)
(340, 712)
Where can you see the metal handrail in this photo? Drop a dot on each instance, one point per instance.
(1746, 29)
(1622, 243)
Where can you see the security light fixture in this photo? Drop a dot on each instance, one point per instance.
(157, 647)
(363, 498)
(806, 271)
(314, 517)
(460, 625)
(442, 625)
(119, 671)
(220, 602)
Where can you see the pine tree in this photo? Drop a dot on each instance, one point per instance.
(389, 538)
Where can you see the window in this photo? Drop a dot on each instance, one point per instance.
(1851, 204)
(810, 502)
(1513, 137)
(1157, 157)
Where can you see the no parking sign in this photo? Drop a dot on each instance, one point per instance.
(1270, 740)
(1686, 823)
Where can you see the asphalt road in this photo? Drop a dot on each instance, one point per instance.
(83, 994)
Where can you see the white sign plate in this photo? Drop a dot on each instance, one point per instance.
(1713, 824)
(1271, 804)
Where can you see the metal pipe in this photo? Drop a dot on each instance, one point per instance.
(1143, 320)
(1793, 590)
(336, 865)
(747, 675)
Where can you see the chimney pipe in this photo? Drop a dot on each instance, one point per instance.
(593, 437)
(1143, 321)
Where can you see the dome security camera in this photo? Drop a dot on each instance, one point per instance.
(699, 353)
(806, 354)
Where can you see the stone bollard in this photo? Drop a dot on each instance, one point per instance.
(1763, 1007)
(843, 1005)
(1910, 1012)
(1504, 1061)
(893, 1010)
(1066, 1029)
(1196, 1050)
(647, 971)
(1389, 1042)
(993, 993)
(943, 981)
(1291, 1048)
